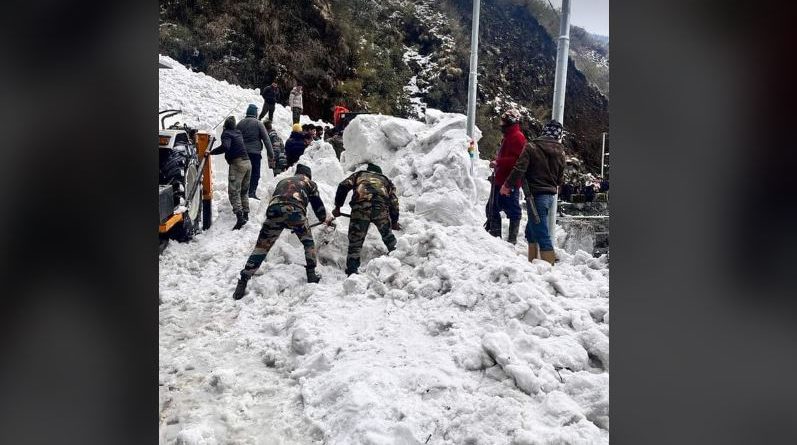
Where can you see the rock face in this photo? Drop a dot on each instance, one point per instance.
(517, 65)
(416, 58)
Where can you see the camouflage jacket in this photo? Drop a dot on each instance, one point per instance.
(299, 190)
(370, 189)
(279, 149)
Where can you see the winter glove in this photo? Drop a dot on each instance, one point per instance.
(336, 212)
(271, 163)
(395, 226)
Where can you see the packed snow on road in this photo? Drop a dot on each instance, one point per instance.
(453, 338)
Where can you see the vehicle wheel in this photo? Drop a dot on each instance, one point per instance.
(192, 218)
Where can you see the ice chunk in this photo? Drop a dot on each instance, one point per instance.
(300, 341)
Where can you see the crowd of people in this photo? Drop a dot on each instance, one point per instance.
(535, 165)
(588, 189)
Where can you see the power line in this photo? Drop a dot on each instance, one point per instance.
(554, 10)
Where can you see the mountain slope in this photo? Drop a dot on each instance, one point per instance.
(416, 56)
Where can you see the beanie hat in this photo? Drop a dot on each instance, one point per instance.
(251, 110)
(297, 128)
(552, 130)
(302, 169)
(511, 116)
(374, 168)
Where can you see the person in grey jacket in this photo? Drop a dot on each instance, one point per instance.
(255, 136)
(295, 102)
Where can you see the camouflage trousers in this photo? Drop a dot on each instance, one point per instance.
(359, 223)
(278, 218)
(240, 173)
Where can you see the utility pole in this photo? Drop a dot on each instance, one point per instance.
(562, 51)
(603, 153)
(558, 111)
(474, 61)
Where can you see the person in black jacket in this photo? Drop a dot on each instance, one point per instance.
(240, 171)
(589, 192)
(566, 192)
(271, 95)
(294, 146)
(255, 137)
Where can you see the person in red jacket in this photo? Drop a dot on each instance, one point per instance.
(337, 110)
(511, 147)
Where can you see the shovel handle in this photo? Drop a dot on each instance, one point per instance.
(321, 222)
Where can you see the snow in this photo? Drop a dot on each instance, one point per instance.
(452, 338)
(426, 69)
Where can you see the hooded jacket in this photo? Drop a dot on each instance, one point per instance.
(295, 98)
(336, 114)
(232, 145)
(255, 136)
(511, 148)
(542, 164)
(294, 147)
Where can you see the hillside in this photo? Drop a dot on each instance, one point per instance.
(417, 57)
(453, 338)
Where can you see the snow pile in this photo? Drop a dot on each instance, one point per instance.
(428, 163)
(452, 338)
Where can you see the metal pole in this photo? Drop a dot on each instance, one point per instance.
(603, 153)
(563, 49)
(474, 61)
(558, 111)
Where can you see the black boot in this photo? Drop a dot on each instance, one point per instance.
(240, 221)
(514, 227)
(240, 289)
(246, 216)
(253, 196)
(312, 277)
(495, 227)
(352, 266)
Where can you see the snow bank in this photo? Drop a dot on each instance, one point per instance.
(452, 338)
(206, 102)
(428, 162)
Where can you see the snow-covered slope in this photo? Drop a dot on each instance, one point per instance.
(452, 338)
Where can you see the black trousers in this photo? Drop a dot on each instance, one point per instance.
(256, 158)
(268, 108)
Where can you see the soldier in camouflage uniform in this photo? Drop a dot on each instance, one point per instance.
(287, 210)
(280, 161)
(373, 201)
